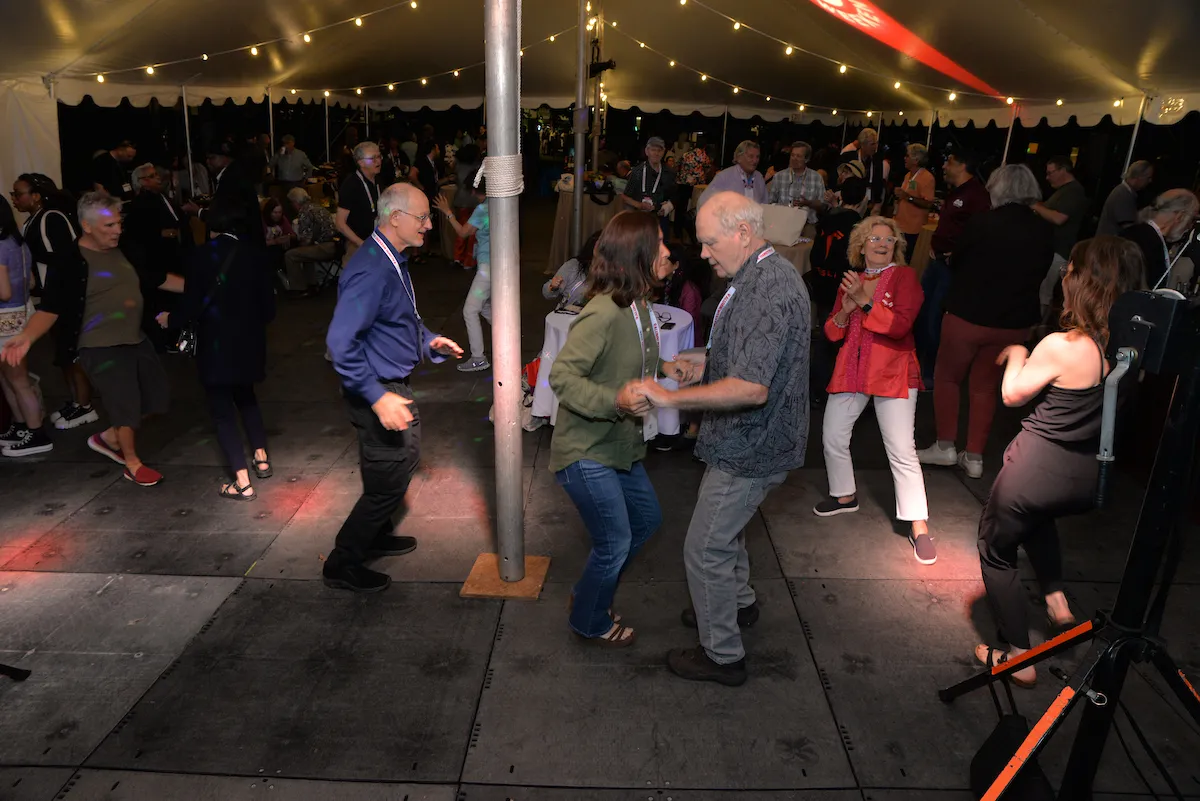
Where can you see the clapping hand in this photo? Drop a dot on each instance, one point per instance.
(853, 288)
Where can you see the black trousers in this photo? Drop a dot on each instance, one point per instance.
(683, 220)
(1039, 482)
(226, 404)
(387, 460)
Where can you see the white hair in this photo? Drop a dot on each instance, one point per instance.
(140, 174)
(731, 209)
(867, 135)
(1174, 201)
(921, 153)
(299, 197)
(363, 148)
(1013, 183)
(1138, 169)
(397, 197)
(743, 147)
(92, 204)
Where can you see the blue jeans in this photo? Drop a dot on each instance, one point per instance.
(935, 283)
(621, 511)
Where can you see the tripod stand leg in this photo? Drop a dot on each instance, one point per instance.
(1084, 632)
(1034, 741)
(1187, 692)
(14, 673)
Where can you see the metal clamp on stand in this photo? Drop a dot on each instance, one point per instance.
(1126, 359)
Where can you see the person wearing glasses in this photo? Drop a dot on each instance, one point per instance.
(358, 198)
(376, 339)
(873, 317)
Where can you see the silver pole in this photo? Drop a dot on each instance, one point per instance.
(1133, 139)
(581, 121)
(724, 130)
(929, 135)
(367, 114)
(502, 74)
(327, 150)
(187, 135)
(1012, 123)
(596, 112)
(270, 118)
(845, 123)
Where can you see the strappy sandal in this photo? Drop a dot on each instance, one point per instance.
(615, 638)
(263, 472)
(235, 493)
(571, 607)
(992, 657)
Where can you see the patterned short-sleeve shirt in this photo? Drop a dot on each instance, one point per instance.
(761, 335)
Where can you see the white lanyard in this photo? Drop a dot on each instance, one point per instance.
(912, 182)
(169, 208)
(656, 180)
(1166, 255)
(370, 197)
(231, 236)
(387, 251)
(729, 293)
(637, 321)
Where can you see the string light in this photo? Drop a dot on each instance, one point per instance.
(787, 51)
(552, 38)
(842, 69)
(358, 21)
(1009, 101)
(641, 44)
(834, 112)
(703, 77)
(736, 90)
(391, 87)
(869, 113)
(1058, 102)
(896, 85)
(613, 23)
(456, 73)
(672, 63)
(204, 56)
(737, 26)
(683, 2)
(358, 91)
(1116, 104)
(802, 107)
(424, 81)
(307, 39)
(413, 4)
(99, 79)
(768, 98)
(149, 70)
(900, 113)
(327, 93)
(254, 51)
(293, 91)
(953, 96)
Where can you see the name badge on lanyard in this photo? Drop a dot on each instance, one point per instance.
(407, 289)
(729, 293)
(650, 421)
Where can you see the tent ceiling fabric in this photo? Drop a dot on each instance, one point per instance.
(1035, 49)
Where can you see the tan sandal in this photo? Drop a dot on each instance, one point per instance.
(992, 657)
(617, 637)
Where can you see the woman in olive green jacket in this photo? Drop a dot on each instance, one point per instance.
(599, 439)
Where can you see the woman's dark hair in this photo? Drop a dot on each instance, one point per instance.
(1100, 270)
(53, 198)
(8, 223)
(227, 216)
(426, 147)
(625, 256)
(482, 188)
(268, 209)
(687, 269)
(587, 251)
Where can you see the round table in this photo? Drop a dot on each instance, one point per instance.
(673, 340)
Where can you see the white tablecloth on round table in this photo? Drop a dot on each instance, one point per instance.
(675, 339)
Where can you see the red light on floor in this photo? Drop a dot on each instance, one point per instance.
(865, 16)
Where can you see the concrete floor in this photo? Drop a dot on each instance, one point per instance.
(183, 647)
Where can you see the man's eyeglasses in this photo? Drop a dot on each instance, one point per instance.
(875, 240)
(421, 218)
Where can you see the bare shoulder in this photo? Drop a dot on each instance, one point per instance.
(1075, 354)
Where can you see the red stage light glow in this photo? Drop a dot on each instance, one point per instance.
(865, 16)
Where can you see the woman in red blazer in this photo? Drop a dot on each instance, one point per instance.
(874, 313)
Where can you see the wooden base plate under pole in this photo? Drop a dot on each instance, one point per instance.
(485, 582)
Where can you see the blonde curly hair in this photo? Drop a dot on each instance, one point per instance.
(858, 240)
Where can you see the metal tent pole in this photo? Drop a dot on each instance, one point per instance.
(270, 118)
(724, 131)
(929, 135)
(581, 121)
(596, 95)
(1133, 139)
(845, 124)
(187, 135)
(1012, 123)
(367, 116)
(327, 150)
(503, 123)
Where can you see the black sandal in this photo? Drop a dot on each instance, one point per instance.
(265, 472)
(235, 493)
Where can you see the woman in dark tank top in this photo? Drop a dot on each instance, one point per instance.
(1050, 467)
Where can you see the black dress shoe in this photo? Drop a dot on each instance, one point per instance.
(694, 664)
(355, 578)
(747, 616)
(391, 545)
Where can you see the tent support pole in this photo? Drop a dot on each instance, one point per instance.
(724, 131)
(367, 117)
(845, 124)
(503, 122)
(270, 118)
(187, 135)
(929, 135)
(1012, 123)
(596, 93)
(1133, 139)
(581, 122)
(327, 150)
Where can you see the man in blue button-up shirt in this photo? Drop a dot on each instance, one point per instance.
(375, 341)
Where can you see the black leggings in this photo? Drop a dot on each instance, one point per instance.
(225, 403)
(1039, 482)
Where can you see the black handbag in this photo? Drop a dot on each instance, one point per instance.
(188, 342)
(997, 751)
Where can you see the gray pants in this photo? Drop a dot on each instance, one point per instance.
(1053, 277)
(301, 262)
(718, 566)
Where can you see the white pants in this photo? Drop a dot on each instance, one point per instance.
(896, 419)
(479, 303)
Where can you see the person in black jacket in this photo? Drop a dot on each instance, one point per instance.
(160, 230)
(230, 299)
(231, 184)
(1000, 260)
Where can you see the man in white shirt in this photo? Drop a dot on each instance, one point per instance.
(743, 177)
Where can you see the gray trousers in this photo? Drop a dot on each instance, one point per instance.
(718, 566)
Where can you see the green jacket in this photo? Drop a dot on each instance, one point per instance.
(601, 356)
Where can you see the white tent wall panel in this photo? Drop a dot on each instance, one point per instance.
(29, 132)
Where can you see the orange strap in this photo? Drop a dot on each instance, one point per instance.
(1026, 750)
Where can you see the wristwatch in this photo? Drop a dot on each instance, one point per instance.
(866, 307)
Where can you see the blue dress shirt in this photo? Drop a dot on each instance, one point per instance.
(376, 333)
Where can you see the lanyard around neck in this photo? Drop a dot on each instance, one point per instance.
(656, 180)
(387, 251)
(637, 322)
(367, 188)
(729, 293)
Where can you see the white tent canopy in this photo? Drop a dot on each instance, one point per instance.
(1036, 51)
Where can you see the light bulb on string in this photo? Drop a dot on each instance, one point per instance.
(834, 112)
(358, 21)
(293, 91)
(672, 63)
(900, 113)
(683, 2)
(842, 69)
(768, 98)
(149, 70)
(1010, 101)
(552, 37)
(703, 77)
(327, 93)
(456, 73)
(307, 39)
(896, 85)
(1058, 102)
(787, 51)
(1116, 104)
(413, 4)
(802, 107)
(736, 90)
(99, 79)
(953, 96)
(254, 51)
(358, 91)
(424, 82)
(613, 23)
(204, 56)
(869, 113)
(391, 87)
(737, 26)
(641, 44)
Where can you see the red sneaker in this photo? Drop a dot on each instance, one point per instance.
(97, 443)
(144, 477)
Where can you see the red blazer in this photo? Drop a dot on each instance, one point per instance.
(880, 357)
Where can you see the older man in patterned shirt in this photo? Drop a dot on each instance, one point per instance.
(315, 231)
(799, 187)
